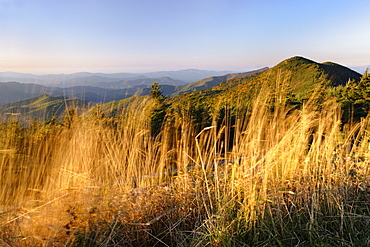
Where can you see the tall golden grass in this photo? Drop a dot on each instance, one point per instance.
(278, 177)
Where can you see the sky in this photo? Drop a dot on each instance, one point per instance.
(47, 36)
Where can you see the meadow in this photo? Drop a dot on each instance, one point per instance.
(287, 176)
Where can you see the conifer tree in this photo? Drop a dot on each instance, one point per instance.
(156, 92)
(158, 111)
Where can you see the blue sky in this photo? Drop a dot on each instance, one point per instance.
(47, 36)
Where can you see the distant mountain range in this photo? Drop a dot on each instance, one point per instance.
(48, 95)
(209, 82)
(300, 76)
(89, 89)
(114, 81)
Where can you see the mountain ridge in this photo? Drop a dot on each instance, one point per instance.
(74, 79)
(105, 92)
(297, 77)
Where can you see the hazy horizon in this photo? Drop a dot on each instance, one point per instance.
(51, 37)
(130, 72)
(359, 69)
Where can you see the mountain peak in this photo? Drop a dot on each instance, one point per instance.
(297, 60)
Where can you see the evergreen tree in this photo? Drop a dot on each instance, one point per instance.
(355, 98)
(156, 92)
(158, 111)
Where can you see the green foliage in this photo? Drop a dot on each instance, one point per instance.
(193, 109)
(158, 110)
(354, 98)
(156, 93)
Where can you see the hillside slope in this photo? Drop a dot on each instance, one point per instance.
(171, 91)
(296, 78)
(41, 107)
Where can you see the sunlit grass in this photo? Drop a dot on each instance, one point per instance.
(281, 177)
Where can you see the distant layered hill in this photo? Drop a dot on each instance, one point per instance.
(209, 82)
(188, 75)
(296, 78)
(212, 81)
(41, 107)
(15, 91)
(139, 82)
(111, 89)
(114, 80)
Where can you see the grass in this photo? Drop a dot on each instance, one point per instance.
(273, 178)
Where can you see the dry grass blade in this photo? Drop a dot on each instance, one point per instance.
(274, 175)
